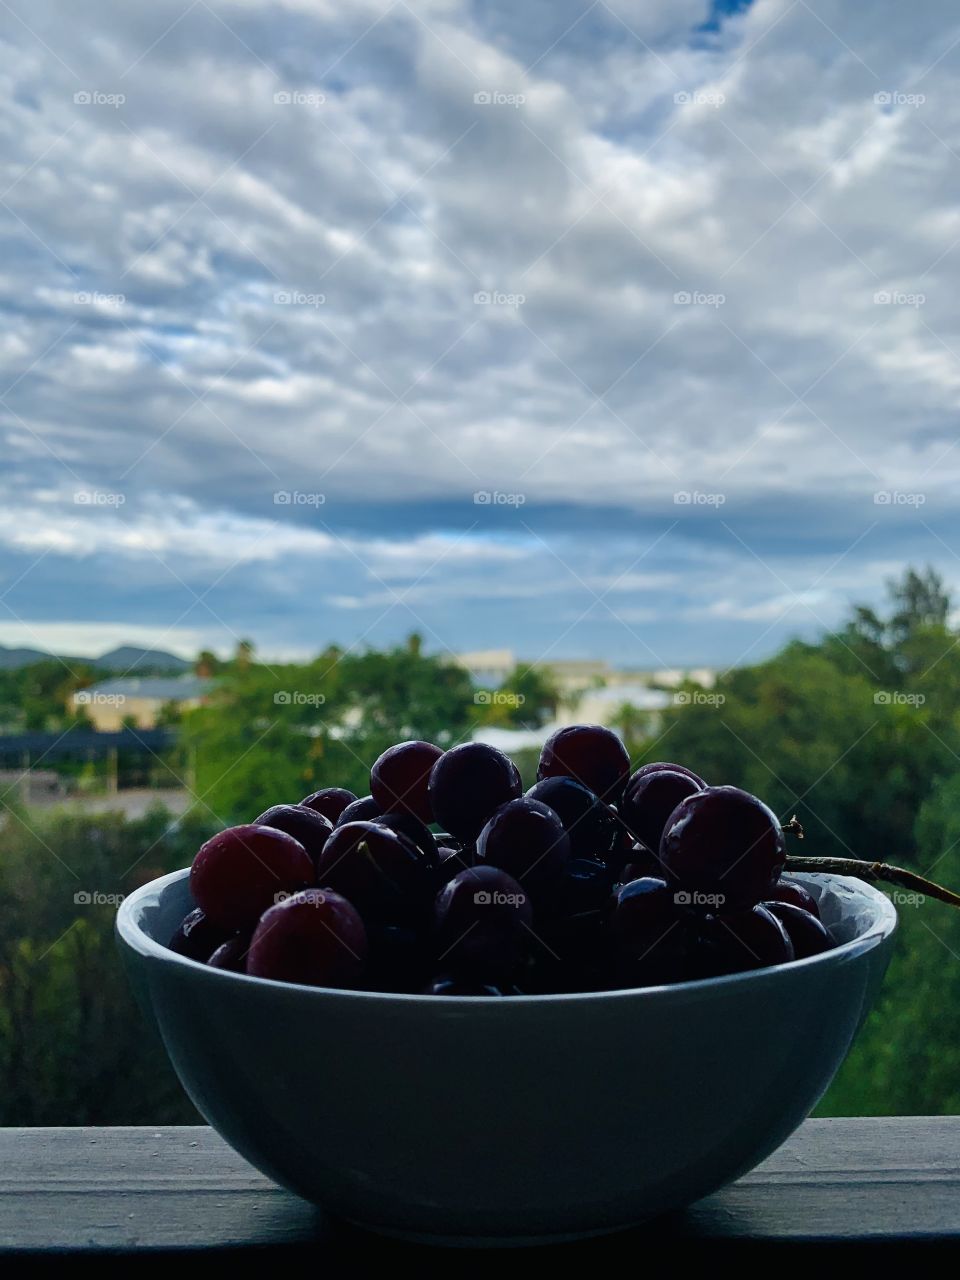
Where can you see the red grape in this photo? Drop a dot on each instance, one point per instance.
(468, 784)
(748, 939)
(482, 921)
(315, 937)
(231, 955)
(197, 937)
(399, 779)
(591, 754)
(363, 810)
(330, 801)
(725, 843)
(649, 801)
(793, 892)
(589, 824)
(239, 872)
(808, 935)
(414, 830)
(306, 825)
(526, 839)
(656, 765)
(380, 871)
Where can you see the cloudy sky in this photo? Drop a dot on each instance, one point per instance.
(623, 329)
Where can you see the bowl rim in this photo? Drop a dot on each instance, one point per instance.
(134, 936)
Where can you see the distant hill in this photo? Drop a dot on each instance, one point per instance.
(123, 659)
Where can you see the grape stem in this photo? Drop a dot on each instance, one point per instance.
(876, 871)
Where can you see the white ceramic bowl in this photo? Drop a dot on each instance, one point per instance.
(484, 1120)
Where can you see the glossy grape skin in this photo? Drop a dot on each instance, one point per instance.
(809, 935)
(330, 801)
(649, 801)
(231, 955)
(363, 810)
(400, 777)
(724, 842)
(482, 924)
(306, 825)
(315, 937)
(239, 872)
(743, 940)
(380, 871)
(646, 769)
(589, 753)
(589, 824)
(794, 893)
(197, 937)
(414, 830)
(651, 933)
(468, 784)
(527, 840)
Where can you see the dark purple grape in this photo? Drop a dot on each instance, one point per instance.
(363, 810)
(651, 933)
(240, 872)
(793, 892)
(526, 839)
(330, 801)
(399, 779)
(589, 753)
(414, 830)
(197, 937)
(589, 824)
(482, 924)
(450, 985)
(808, 935)
(467, 786)
(231, 955)
(315, 937)
(749, 939)
(642, 863)
(725, 843)
(380, 871)
(646, 769)
(649, 801)
(306, 825)
(584, 885)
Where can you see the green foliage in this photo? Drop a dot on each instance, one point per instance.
(74, 1047)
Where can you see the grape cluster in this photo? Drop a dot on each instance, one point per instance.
(448, 880)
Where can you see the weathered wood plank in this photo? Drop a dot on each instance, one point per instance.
(80, 1190)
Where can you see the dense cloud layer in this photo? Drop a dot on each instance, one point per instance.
(289, 284)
